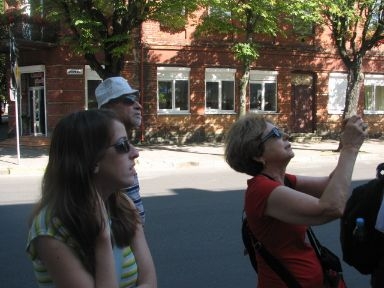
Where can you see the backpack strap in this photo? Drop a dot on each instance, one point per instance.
(272, 262)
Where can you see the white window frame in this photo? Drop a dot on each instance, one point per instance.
(263, 77)
(337, 87)
(218, 75)
(29, 70)
(173, 74)
(373, 80)
(89, 75)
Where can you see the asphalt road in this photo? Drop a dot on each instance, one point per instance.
(193, 228)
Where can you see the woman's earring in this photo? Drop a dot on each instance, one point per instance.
(96, 170)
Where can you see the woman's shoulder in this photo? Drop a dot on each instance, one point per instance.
(45, 223)
(261, 179)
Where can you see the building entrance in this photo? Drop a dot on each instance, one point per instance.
(36, 105)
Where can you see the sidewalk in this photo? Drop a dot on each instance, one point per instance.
(208, 155)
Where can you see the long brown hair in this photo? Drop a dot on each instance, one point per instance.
(79, 140)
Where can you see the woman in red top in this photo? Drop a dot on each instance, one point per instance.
(279, 215)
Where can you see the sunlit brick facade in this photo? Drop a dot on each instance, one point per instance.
(190, 87)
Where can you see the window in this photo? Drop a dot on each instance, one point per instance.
(337, 87)
(173, 89)
(219, 90)
(92, 81)
(263, 90)
(219, 12)
(373, 94)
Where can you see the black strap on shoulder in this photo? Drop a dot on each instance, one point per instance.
(274, 263)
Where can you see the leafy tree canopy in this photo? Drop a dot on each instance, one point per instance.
(245, 20)
(106, 31)
(356, 25)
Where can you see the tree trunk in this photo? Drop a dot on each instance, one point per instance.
(354, 80)
(243, 92)
(353, 90)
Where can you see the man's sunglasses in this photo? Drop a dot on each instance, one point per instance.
(122, 146)
(275, 132)
(129, 99)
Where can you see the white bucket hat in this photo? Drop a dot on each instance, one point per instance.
(112, 88)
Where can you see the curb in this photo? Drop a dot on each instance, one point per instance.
(21, 171)
(210, 156)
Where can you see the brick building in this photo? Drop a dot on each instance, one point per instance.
(190, 88)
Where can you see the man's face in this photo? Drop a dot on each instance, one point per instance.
(128, 111)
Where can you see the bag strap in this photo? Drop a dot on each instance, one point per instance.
(274, 263)
(314, 242)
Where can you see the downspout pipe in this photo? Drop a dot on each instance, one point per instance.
(142, 138)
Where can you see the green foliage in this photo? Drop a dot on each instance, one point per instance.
(357, 26)
(245, 19)
(109, 28)
(245, 52)
(173, 15)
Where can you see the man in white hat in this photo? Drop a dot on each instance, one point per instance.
(116, 94)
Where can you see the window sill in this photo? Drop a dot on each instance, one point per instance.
(172, 112)
(216, 112)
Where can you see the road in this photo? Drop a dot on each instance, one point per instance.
(193, 228)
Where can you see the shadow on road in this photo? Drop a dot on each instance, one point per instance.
(194, 237)
(16, 269)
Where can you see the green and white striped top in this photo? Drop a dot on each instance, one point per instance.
(125, 263)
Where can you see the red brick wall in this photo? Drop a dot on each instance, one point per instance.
(312, 54)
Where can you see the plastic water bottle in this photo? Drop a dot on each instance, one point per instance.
(359, 231)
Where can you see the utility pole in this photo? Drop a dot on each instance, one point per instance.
(15, 77)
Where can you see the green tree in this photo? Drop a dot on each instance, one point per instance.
(105, 32)
(246, 19)
(357, 27)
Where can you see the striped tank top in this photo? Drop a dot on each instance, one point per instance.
(125, 263)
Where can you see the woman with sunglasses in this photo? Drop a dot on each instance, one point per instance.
(278, 215)
(84, 231)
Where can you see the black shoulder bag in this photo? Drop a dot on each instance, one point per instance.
(332, 269)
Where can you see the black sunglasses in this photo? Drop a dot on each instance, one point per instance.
(275, 132)
(130, 98)
(122, 146)
(127, 101)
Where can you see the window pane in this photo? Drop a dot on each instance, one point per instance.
(181, 95)
(212, 90)
(165, 94)
(336, 88)
(256, 91)
(92, 84)
(227, 95)
(270, 97)
(379, 98)
(368, 100)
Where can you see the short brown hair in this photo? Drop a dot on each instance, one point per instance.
(243, 142)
